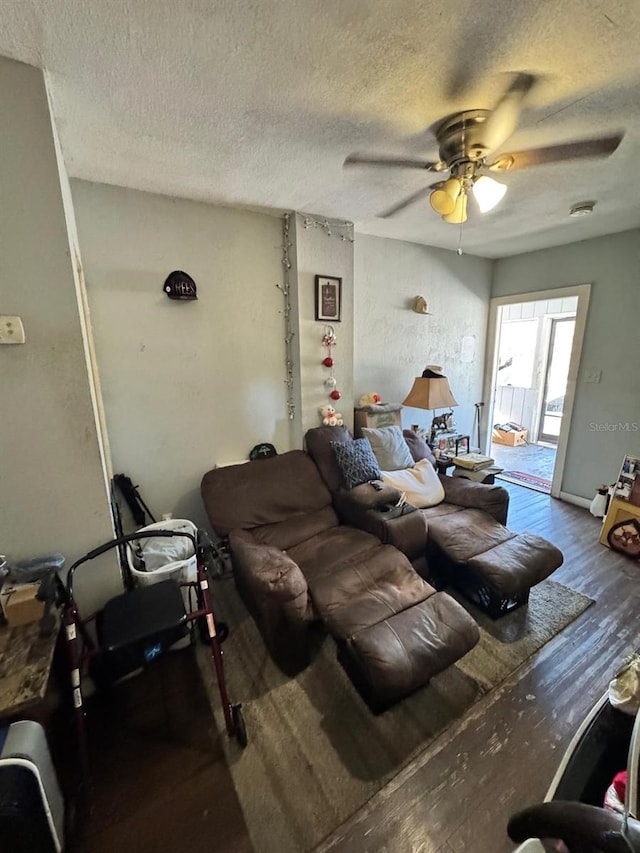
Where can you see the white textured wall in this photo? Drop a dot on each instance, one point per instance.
(611, 345)
(52, 489)
(185, 384)
(392, 344)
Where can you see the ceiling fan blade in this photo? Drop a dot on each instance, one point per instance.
(503, 119)
(423, 193)
(393, 162)
(579, 150)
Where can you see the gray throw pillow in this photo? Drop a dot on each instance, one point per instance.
(356, 462)
(390, 448)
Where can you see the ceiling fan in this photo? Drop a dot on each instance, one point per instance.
(467, 142)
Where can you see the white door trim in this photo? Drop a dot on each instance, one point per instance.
(583, 292)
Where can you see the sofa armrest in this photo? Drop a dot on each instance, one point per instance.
(275, 591)
(367, 496)
(357, 506)
(467, 493)
(363, 507)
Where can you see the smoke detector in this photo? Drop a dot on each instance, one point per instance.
(584, 208)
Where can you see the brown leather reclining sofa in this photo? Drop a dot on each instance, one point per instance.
(307, 551)
(297, 565)
(461, 542)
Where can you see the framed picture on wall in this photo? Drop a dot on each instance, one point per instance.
(328, 298)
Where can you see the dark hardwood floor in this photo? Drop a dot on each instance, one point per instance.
(458, 795)
(161, 783)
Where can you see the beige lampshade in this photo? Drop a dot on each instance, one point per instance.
(430, 394)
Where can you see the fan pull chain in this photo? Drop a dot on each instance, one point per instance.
(459, 250)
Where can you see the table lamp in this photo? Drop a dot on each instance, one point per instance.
(431, 391)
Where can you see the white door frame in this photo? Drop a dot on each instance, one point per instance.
(583, 292)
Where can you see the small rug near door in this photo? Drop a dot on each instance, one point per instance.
(316, 754)
(529, 480)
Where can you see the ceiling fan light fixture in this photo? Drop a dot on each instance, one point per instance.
(459, 213)
(488, 193)
(443, 199)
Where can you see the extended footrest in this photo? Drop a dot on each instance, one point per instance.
(499, 580)
(494, 567)
(391, 659)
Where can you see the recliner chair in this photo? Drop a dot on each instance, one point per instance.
(296, 565)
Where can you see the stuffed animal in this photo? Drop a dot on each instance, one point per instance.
(370, 399)
(330, 417)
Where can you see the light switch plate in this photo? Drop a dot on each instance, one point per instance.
(11, 330)
(593, 376)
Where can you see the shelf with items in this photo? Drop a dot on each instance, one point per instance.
(627, 485)
(623, 513)
(451, 444)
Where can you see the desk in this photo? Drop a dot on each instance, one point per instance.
(25, 665)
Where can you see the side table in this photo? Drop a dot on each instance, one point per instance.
(25, 665)
(443, 465)
(484, 475)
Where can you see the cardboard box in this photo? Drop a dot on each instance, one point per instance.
(376, 417)
(20, 604)
(511, 438)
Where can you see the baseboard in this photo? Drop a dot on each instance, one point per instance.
(585, 503)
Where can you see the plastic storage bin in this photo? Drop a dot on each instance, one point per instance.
(182, 571)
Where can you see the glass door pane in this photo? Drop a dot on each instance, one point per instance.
(555, 386)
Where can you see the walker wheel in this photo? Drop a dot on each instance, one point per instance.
(239, 726)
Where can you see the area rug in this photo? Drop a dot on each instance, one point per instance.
(529, 480)
(316, 754)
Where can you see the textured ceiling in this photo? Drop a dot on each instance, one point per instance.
(258, 102)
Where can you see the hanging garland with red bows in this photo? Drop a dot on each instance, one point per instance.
(329, 341)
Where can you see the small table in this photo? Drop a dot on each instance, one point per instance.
(443, 464)
(25, 665)
(484, 475)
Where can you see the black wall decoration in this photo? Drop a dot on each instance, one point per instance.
(179, 285)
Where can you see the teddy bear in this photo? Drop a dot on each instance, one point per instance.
(330, 417)
(370, 399)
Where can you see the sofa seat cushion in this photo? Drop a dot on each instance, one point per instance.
(463, 535)
(514, 566)
(440, 509)
(296, 529)
(367, 589)
(321, 554)
(393, 658)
